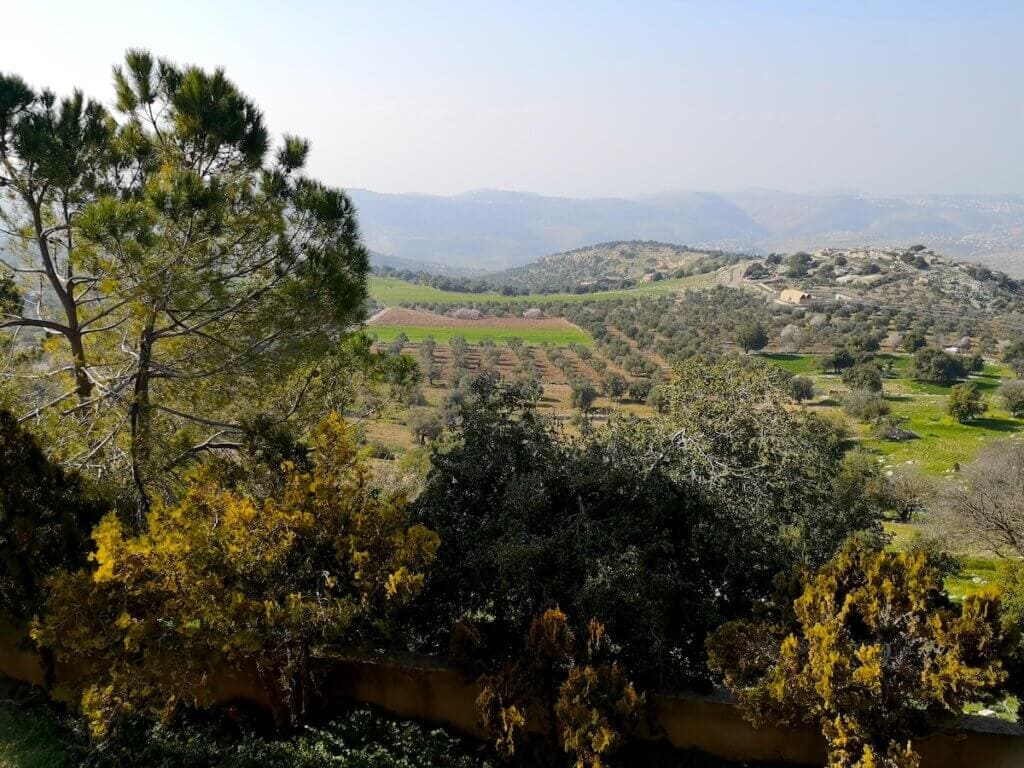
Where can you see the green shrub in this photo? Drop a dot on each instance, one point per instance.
(801, 388)
(1012, 396)
(865, 377)
(865, 406)
(45, 519)
(360, 739)
(657, 528)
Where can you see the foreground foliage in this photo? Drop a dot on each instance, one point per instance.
(46, 515)
(576, 692)
(225, 581)
(39, 737)
(659, 530)
(184, 274)
(872, 650)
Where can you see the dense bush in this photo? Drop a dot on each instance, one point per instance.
(1012, 396)
(864, 377)
(659, 530)
(801, 388)
(46, 516)
(865, 406)
(964, 402)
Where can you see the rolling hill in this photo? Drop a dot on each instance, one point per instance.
(610, 266)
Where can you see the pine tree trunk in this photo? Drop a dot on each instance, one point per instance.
(140, 417)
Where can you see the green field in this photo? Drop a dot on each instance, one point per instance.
(799, 364)
(943, 442)
(392, 292)
(474, 335)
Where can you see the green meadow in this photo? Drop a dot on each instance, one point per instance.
(942, 442)
(392, 292)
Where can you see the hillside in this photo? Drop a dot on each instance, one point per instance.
(610, 266)
(492, 231)
(897, 278)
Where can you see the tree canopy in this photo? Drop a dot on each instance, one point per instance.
(187, 271)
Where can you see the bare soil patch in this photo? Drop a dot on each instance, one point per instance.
(416, 317)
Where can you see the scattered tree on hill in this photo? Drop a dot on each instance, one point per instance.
(613, 385)
(797, 264)
(914, 341)
(871, 649)
(937, 367)
(791, 339)
(983, 507)
(751, 337)
(227, 581)
(582, 396)
(801, 388)
(426, 424)
(965, 402)
(863, 377)
(1011, 393)
(1013, 356)
(907, 492)
(639, 389)
(836, 361)
(398, 343)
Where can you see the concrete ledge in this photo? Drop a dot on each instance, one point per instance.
(427, 689)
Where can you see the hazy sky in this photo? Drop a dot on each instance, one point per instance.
(589, 98)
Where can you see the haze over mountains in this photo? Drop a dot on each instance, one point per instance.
(493, 230)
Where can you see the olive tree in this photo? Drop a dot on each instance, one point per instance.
(985, 504)
(1011, 394)
(965, 402)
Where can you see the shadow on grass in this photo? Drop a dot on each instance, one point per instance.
(996, 425)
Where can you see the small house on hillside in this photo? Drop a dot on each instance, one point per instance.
(794, 296)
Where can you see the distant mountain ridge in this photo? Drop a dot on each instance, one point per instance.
(493, 230)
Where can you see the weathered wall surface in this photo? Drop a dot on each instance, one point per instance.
(426, 689)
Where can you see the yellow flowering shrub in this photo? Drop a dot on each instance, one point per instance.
(871, 650)
(578, 694)
(224, 582)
